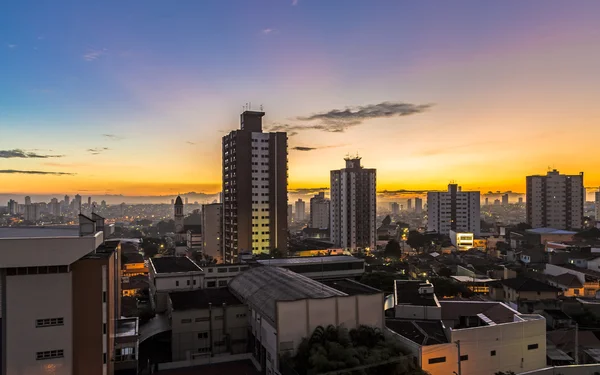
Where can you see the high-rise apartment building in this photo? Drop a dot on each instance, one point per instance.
(212, 231)
(505, 199)
(55, 208)
(454, 210)
(555, 200)
(254, 189)
(77, 203)
(13, 207)
(418, 205)
(27, 200)
(353, 206)
(319, 211)
(520, 200)
(290, 213)
(395, 208)
(300, 210)
(409, 204)
(32, 212)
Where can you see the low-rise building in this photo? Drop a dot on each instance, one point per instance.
(462, 241)
(523, 288)
(321, 267)
(126, 346)
(172, 274)
(219, 275)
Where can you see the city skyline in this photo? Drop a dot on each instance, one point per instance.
(134, 98)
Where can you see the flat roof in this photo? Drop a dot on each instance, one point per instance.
(201, 298)
(497, 312)
(351, 287)
(174, 264)
(424, 333)
(39, 231)
(126, 327)
(549, 231)
(407, 293)
(309, 260)
(469, 279)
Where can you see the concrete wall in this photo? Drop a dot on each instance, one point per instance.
(32, 297)
(566, 370)
(418, 312)
(179, 282)
(450, 356)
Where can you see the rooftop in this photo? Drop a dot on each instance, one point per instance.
(469, 279)
(201, 298)
(174, 264)
(566, 279)
(524, 284)
(262, 287)
(407, 293)
(126, 327)
(39, 231)
(549, 231)
(556, 314)
(429, 332)
(351, 287)
(496, 312)
(309, 260)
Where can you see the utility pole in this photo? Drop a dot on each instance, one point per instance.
(458, 347)
(576, 343)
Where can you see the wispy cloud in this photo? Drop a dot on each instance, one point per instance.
(97, 150)
(294, 2)
(94, 54)
(18, 153)
(267, 31)
(305, 148)
(307, 190)
(112, 137)
(395, 193)
(16, 171)
(190, 143)
(11, 46)
(338, 121)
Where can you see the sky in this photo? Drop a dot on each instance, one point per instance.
(132, 97)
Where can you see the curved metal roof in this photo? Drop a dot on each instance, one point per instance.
(262, 287)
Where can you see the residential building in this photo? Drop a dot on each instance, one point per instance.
(300, 211)
(172, 274)
(254, 189)
(319, 212)
(212, 231)
(462, 241)
(77, 201)
(353, 206)
(219, 275)
(491, 336)
(126, 346)
(454, 210)
(32, 212)
(284, 307)
(505, 199)
(27, 200)
(555, 200)
(418, 205)
(395, 208)
(321, 267)
(520, 200)
(59, 293)
(13, 207)
(409, 204)
(207, 322)
(597, 205)
(523, 288)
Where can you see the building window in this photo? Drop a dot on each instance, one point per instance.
(205, 319)
(493, 353)
(49, 354)
(188, 282)
(203, 335)
(194, 281)
(235, 269)
(222, 282)
(437, 360)
(576, 291)
(464, 357)
(219, 343)
(104, 328)
(222, 270)
(239, 316)
(185, 321)
(203, 350)
(176, 283)
(211, 284)
(210, 270)
(49, 322)
(104, 358)
(532, 346)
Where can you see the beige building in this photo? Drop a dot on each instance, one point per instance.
(207, 322)
(212, 231)
(522, 288)
(172, 274)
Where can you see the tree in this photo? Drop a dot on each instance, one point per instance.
(383, 281)
(387, 220)
(392, 249)
(150, 250)
(445, 272)
(416, 240)
(448, 288)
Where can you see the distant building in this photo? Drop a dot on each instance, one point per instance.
(505, 199)
(178, 217)
(13, 207)
(487, 201)
(555, 200)
(597, 207)
(454, 210)
(319, 211)
(212, 231)
(496, 202)
(300, 210)
(32, 212)
(418, 205)
(462, 241)
(290, 214)
(520, 200)
(254, 189)
(395, 208)
(27, 200)
(409, 204)
(77, 201)
(55, 207)
(353, 206)
(89, 201)
(186, 201)
(172, 202)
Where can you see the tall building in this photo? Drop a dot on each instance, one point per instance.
(520, 200)
(555, 200)
(32, 212)
(172, 201)
(178, 217)
(212, 231)
(418, 205)
(487, 201)
(319, 211)
(409, 204)
(13, 207)
(353, 206)
(254, 189)
(67, 200)
(300, 210)
(77, 203)
(27, 200)
(597, 206)
(505, 199)
(55, 208)
(454, 210)
(186, 201)
(395, 208)
(290, 213)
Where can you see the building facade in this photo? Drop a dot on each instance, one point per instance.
(454, 210)
(597, 207)
(212, 231)
(395, 208)
(353, 206)
(418, 205)
(555, 201)
(300, 210)
(319, 212)
(254, 189)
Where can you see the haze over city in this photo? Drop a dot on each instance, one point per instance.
(133, 99)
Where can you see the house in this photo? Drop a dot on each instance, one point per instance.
(522, 288)
(556, 319)
(590, 279)
(132, 264)
(532, 256)
(131, 285)
(569, 283)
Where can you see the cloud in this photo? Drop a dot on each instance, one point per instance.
(304, 148)
(307, 190)
(11, 46)
(112, 137)
(15, 171)
(97, 150)
(394, 193)
(267, 31)
(190, 143)
(94, 54)
(294, 2)
(338, 121)
(18, 153)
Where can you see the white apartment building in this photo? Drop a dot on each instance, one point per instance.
(353, 206)
(300, 210)
(555, 200)
(454, 210)
(212, 231)
(319, 212)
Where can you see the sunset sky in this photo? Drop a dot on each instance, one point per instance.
(133, 97)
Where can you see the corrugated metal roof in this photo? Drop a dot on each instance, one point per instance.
(309, 260)
(262, 287)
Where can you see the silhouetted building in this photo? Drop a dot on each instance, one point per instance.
(178, 217)
(395, 208)
(353, 206)
(520, 200)
(319, 211)
(212, 231)
(555, 200)
(27, 200)
(505, 199)
(409, 204)
(454, 210)
(254, 189)
(300, 210)
(418, 205)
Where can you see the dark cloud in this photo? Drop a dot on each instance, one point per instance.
(190, 143)
(15, 171)
(307, 190)
(18, 153)
(384, 193)
(112, 137)
(300, 148)
(337, 121)
(97, 150)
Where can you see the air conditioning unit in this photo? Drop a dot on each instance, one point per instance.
(425, 289)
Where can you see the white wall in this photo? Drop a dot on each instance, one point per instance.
(33, 297)
(168, 282)
(418, 312)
